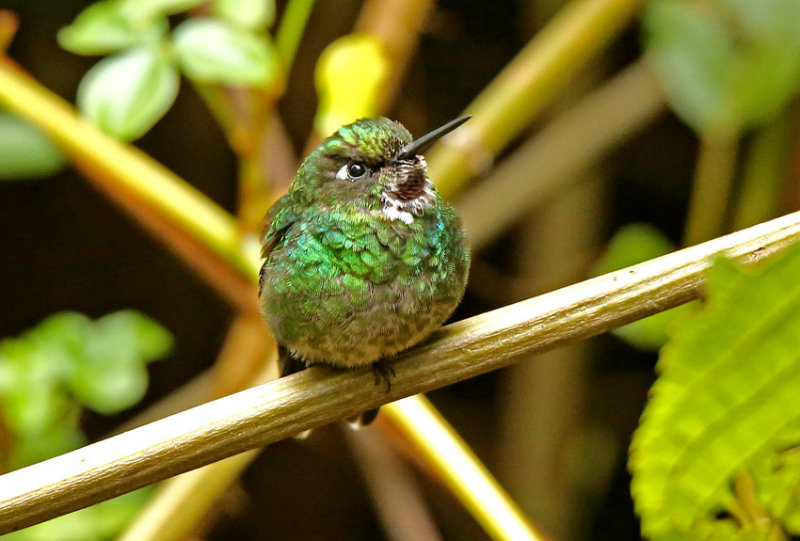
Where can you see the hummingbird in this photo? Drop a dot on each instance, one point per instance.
(363, 258)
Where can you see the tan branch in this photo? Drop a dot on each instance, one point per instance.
(317, 396)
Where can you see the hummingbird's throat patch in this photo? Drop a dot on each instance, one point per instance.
(397, 207)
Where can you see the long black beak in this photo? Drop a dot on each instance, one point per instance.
(425, 142)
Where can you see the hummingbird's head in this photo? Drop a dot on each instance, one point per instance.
(370, 160)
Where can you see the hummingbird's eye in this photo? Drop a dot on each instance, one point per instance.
(356, 170)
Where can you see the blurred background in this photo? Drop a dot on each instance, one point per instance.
(553, 207)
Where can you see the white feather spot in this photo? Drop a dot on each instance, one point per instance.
(405, 211)
(341, 174)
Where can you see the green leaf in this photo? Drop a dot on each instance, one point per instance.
(68, 361)
(252, 14)
(96, 523)
(104, 28)
(110, 376)
(632, 244)
(777, 478)
(211, 51)
(59, 437)
(726, 65)
(146, 9)
(693, 54)
(26, 151)
(113, 515)
(726, 402)
(126, 94)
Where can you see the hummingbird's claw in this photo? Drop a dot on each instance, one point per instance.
(383, 372)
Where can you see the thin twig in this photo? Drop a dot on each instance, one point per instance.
(318, 396)
(396, 496)
(8, 28)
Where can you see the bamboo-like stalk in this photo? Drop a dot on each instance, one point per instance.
(132, 171)
(577, 33)
(291, 30)
(317, 396)
(555, 157)
(396, 24)
(711, 191)
(423, 427)
(764, 173)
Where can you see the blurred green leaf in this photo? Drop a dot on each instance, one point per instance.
(632, 244)
(253, 14)
(26, 151)
(692, 53)
(110, 376)
(104, 28)
(126, 94)
(146, 9)
(101, 522)
(68, 361)
(726, 65)
(61, 436)
(777, 479)
(727, 400)
(211, 51)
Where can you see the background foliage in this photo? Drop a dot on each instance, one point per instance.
(203, 86)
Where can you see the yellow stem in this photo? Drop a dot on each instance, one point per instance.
(127, 166)
(708, 206)
(577, 33)
(442, 447)
(291, 29)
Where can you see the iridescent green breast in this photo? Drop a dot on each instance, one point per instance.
(349, 286)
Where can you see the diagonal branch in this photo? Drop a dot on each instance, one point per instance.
(317, 396)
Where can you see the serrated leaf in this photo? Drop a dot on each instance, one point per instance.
(104, 28)
(253, 14)
(26, 152)
(126, 94)
(728, 393)
(211, 51)
(350, 75)
(726, 65)
(632, 244)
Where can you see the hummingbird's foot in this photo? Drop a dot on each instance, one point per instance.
(363, 419)
(287, 364)
(383, 372)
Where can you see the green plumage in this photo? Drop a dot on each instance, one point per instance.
(360, 268)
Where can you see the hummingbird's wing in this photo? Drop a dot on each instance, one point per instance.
(278, 220)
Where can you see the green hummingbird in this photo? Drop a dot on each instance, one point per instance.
(362, 257)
